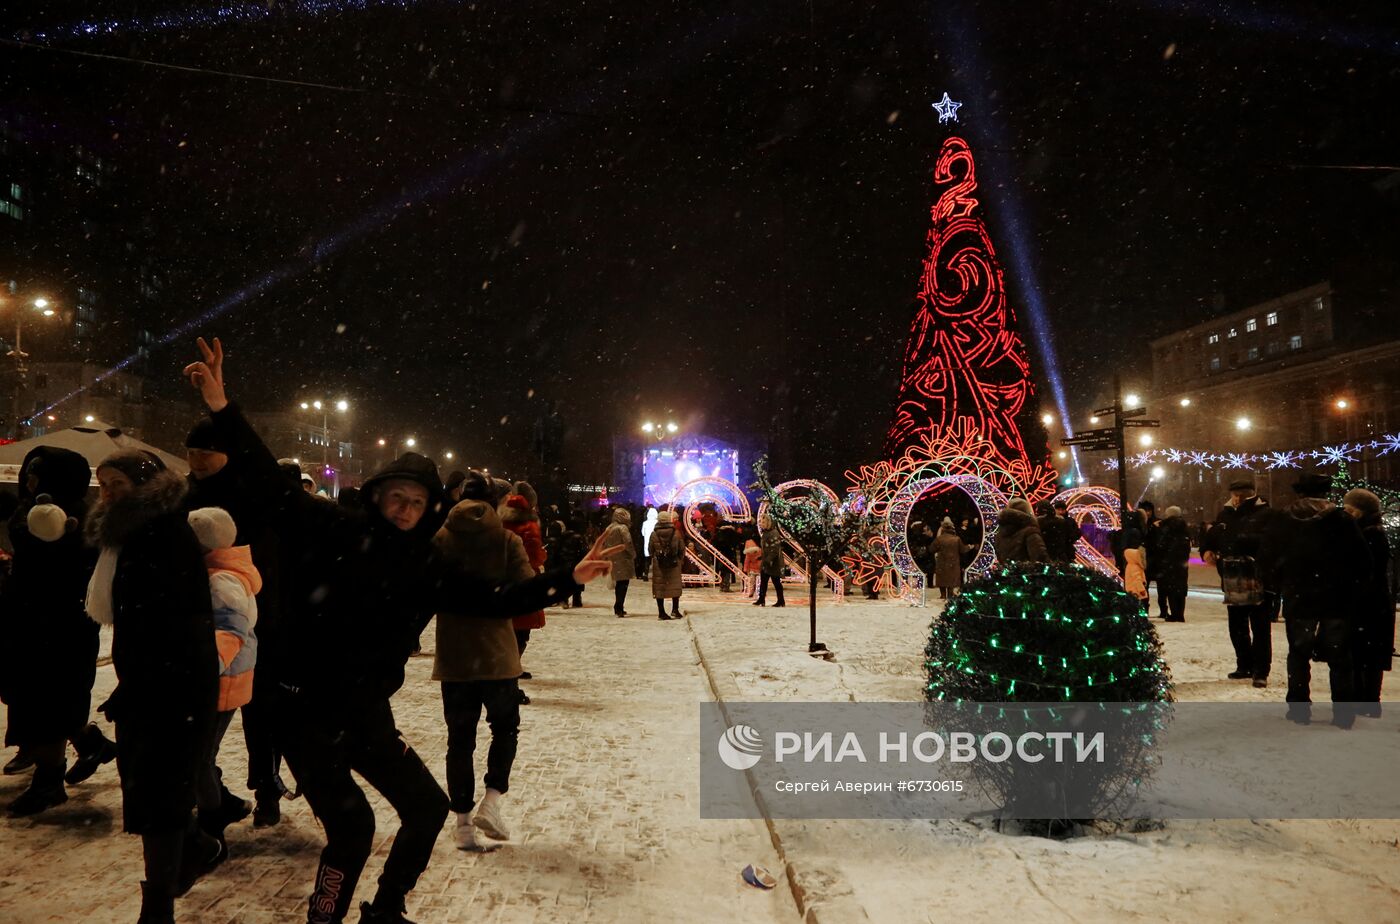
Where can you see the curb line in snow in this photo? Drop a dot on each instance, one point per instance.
(807, 906)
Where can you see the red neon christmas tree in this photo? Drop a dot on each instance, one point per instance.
(965, 363)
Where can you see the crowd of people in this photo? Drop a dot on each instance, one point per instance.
(1325, 568)
(236, 589)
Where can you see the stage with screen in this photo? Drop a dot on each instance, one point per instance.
(665, 470)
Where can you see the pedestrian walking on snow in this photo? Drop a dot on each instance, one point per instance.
(618, 536)
(771, 562)
(150, 585)
(48, 655)
(667, 554)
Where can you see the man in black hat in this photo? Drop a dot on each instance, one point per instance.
(1232, 546)
(365, 586)
(1319, 560)
(231, 468)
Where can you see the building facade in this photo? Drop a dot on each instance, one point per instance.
(1268, 378)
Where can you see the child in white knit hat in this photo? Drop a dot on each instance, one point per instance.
(233, 586)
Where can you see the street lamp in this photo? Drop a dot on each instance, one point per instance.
(1145, 439)
(648, 427)
(324, 407)
(1343, 404)
(448, 455)
(1185, 402)
(41, 305)
(1243, 423)
(1158, 473)
(410, 442)
(1047, 419)
(1130, 399)
(671, 428)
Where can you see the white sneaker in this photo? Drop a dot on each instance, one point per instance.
(464, 835)
(488, 816)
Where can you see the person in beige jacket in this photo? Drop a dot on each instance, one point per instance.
(477, 661)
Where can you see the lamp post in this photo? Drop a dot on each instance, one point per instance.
(324, 407)
(42, 306)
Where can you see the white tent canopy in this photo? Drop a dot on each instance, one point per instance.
(94, 442)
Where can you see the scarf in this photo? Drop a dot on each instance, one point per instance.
(99, 591)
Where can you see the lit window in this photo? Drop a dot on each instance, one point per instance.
(1271, 319)
(1318, 304)
(16, 192)
(14, 211)
(1295, 342)
(1253, 353)
(1213, 338)
(1233, 333)
(1215, 364)
(1251, 325)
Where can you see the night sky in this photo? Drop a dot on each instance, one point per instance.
(716, 212)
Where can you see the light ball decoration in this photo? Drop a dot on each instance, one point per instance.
(1042, 635)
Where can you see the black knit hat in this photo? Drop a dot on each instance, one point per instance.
(207, 437)
(454, 479)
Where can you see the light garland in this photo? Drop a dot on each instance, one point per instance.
(1340, 454)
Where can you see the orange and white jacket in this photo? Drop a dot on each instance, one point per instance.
(233, 586)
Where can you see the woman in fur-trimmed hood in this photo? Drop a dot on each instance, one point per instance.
(150, 585)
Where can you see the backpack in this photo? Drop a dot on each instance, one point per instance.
(663, 554)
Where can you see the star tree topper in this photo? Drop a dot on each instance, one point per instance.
(947, 109)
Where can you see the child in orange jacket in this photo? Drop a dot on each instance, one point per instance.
(233, 586)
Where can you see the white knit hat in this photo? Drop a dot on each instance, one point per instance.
(214, 527)
(47, 522)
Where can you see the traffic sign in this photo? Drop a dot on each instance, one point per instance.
(1094, 447)
(1105, 411)
(1142, 423)
(1135, 412)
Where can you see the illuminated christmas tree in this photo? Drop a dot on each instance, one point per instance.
(965, 360)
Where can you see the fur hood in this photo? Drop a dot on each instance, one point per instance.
(623, 516)
(1012, 519)
(112, 525)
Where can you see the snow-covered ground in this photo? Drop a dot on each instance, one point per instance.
(957, 870)
(605, 804)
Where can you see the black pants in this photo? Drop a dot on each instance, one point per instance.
(208, 786)
(1367, 684)
(462, 704)
(620, 597)
(1330, 638)
(1162, 609)
(322, 746)
(661, 605)
(260, 731)
(763, 588)
(1252, 635)
(522, 638)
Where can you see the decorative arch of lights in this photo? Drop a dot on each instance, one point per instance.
(989, 500)
(731, 504)
(959, 451)
(1099, 506)
(791, 550)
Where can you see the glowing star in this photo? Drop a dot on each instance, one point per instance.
(947, 109)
